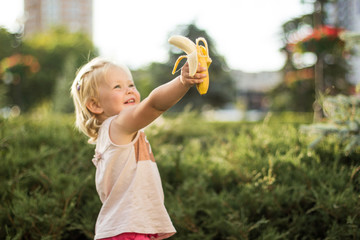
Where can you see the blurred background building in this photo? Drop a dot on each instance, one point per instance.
(40, 15)
(251, 88)
(346, 14)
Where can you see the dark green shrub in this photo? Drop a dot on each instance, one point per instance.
(221, 180)
(47, 189)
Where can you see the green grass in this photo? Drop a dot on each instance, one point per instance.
(221, 180)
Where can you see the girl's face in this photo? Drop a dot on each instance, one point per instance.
(117, 92)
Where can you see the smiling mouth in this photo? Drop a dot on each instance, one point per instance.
(130, 101)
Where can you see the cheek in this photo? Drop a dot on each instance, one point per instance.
(108, 100)
(103, 95)
(138, 95)
(104, 99)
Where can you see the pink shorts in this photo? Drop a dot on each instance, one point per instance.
(132, 236)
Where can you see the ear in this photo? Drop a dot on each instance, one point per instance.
(94, 106)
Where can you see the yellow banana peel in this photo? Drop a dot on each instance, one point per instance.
(195, 54)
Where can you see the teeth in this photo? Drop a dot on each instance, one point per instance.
(131, 101)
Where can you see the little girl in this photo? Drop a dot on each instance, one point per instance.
(109, 111)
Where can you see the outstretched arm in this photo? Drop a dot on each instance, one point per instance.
(132, 119)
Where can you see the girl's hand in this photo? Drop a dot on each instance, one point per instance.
(189, 81)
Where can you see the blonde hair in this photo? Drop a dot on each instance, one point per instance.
(84, 89)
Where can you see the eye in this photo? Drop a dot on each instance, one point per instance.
(117, 86)
(132, 85)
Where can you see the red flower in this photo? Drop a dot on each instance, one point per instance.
(324, 38)
(323, 31)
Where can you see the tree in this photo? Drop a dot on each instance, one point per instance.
(306, 81)
(61, 99)
(14, 70)
(9, 44)
(51, 50)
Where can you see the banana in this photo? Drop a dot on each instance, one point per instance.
(195, 54)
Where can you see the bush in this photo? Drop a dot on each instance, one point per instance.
(47, 187)
(343, 122)
(221, 181)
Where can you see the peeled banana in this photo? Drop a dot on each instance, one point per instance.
(195, 54)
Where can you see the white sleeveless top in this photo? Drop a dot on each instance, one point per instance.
(129, 186)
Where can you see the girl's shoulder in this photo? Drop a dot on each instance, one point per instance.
(103, 134)
(106, 123)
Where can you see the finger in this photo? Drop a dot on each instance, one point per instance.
(185, 69)
(186, 66)
(197, 81)
(201, 69)
(199, 75)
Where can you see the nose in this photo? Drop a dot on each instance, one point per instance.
(129, 90)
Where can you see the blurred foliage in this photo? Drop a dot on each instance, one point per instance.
(62, 101)
(299, 96)
(352, 41)
(297, 91)
(343, 122)
(150, 77)
(8, 45)
(59, 53)
(222, 87)
(221, 180)
(51, 50)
